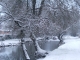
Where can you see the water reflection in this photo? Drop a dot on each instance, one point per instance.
(12, 53)
(46, 45)
(16, 52)
(30, 50)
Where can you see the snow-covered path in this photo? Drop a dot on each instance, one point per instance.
(69, 51)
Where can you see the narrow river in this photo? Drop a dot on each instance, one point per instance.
(16, 52)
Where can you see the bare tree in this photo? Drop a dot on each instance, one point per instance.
(33, 4)
(40, 9)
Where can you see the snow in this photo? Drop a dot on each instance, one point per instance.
(10, 42)
(27, 39)
(68, 51)
(39, 50)
(2, 14)
(38, 4)
(39, 38)
(72, 3)
(52, 40)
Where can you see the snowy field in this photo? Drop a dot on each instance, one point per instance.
(68, 51)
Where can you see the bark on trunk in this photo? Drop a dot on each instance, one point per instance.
(60, 37)
(34, 3)
(40, 9)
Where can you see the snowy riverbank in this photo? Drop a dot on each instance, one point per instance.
(10, 42)
(69, 51)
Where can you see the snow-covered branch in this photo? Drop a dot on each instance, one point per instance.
(39, 53)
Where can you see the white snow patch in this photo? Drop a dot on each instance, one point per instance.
(39, 38)
(2, 14)
(53, 40)
(10, 42)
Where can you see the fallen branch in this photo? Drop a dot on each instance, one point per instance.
(25, 51)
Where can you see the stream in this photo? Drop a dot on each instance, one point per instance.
(16, 52)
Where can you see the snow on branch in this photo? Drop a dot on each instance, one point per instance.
(39, 52)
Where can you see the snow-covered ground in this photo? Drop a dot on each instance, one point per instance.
(68, 51)
(10, 42)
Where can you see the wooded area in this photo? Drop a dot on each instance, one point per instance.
(40, 18)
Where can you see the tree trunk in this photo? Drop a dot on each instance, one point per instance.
(39, 52)
(60, 37)
(40, 9)
(33, 6)
(27, 5)
(32, 36)
(21, 34)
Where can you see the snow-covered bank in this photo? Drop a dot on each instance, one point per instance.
(69, 51)
(10, 42)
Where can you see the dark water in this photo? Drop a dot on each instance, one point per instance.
(12, 53)
(16, 52)
(30, 50)
(46, 45)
